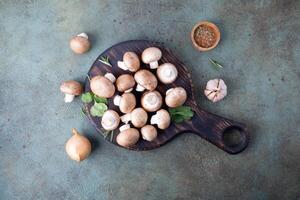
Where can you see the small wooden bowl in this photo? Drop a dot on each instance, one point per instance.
(216, 31)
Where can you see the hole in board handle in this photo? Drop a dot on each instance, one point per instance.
(233, 136)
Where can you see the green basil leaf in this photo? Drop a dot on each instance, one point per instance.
(100, 99)
(87, 97)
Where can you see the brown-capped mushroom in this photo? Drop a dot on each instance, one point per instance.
(151, 101)
(149, 133)
(70, 89)
(110, 120)
(130, 62)
(128, 137)
(102, 86)
(126, 102)
(145, 80)
(138, 117)
(125, 83)
(175, 97)
(167, 73)
(80, 43)
(162, 119)
(151, 56)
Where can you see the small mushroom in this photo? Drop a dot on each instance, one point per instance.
(175, 97)
(128, 137)
(167, 73)
(151, 101)
(138, 117)
(126, 102)
(110, 120)
(71, 89)
(125, 83)
(149, 133)
(216, 90)
(130, 62)
(102, 86)
(80, 43)
(162, 119)
(145, 80)
(151, 56)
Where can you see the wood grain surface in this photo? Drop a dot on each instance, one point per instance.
(209, 126)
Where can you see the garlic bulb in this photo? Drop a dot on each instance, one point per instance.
(216, 90)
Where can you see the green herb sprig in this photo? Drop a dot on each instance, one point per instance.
(100, 104)
(215, 63)
(181, 113)
(105, 60)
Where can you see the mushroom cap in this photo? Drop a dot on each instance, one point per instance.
(138, 117)
(128, 137)
(102, 86)
(80, 44)
(175, 97)
(71, 87)
(146, 79)
(125, 82)
(110, 120)
(132, 61)
(149, 133)
(163, 119)
(151, 101)
(127, 103)
(151, 54)
(167, 73)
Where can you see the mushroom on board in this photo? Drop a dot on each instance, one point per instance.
(149, 133)
(151, 101)
(80, 43)
(70, 89)
(128, 136)
(138, 117)
(103, 86)
(130, 62)
(126, 102)
(175, 97)
(162, 119)
(110, 120)
(167, 73)
(145, 80)
(151, 56)
(125, 83)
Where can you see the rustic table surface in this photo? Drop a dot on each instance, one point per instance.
(260, 52)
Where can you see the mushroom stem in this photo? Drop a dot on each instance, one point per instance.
(153, 65)
(153, 119)
(83, 35)
(139, 88)
(124, 127)
(122, 65)
(110, 77)
(69, 98)
(129, 90)
(117, 100)
(126, 118)
(169, 90)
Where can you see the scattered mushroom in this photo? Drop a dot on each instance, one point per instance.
(110, 120)
(151, 101)
(145, 80)
(126, 102)
(149, 133)
(162, 119)
(80, 43)
(70, 89)
(78, 147)
(102, 86)
(167, 73)
(130, 62)
(216, 90)
(138, 117)
(151, 56)
(128, 137)
(175, 97)
(125, 83)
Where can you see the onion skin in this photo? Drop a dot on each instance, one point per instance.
(78, 147)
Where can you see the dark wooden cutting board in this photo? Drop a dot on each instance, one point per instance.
(209, 126)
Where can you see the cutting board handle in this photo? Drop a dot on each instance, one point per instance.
(218, 131)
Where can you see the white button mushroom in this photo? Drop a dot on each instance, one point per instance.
(128, 137)
(151, 56)
(151, 101)
(110, 120)
(130, 62)
(216, 90)
(162, 119)
(126, 102)
(80, 43)
(138, 117)
(102, 86)
(145, 80)
(149, 133)
(70, 89)
(125, 83)
(175, 97)
(167, 73)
